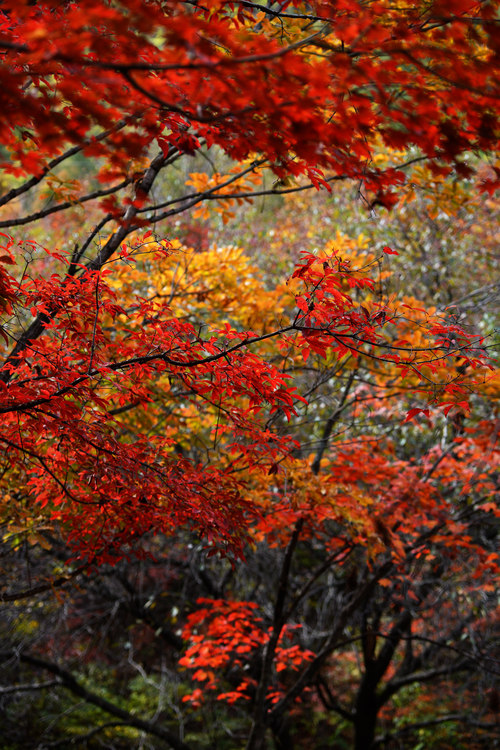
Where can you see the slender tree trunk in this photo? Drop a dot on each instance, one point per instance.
(282, 737)
(364, 728)
(365, 716)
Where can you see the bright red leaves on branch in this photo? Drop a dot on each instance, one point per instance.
(109, 78)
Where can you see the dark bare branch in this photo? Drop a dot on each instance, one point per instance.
(72, 684)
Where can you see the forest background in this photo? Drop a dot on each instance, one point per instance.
(249, 389)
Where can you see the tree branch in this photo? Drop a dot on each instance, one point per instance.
(330, 644)
(330, 423)
(435, 722)
(69, 682)
(28, 686)
(28, 593)
(35, 180)
(258, 729)
(41, 321)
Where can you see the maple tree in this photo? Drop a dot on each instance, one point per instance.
(150, 391)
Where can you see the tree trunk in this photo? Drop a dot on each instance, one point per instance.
(281, 736)
(365, 718)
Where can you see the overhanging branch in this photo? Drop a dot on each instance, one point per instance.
(75, 687)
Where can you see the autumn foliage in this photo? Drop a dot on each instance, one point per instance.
(268, 440)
